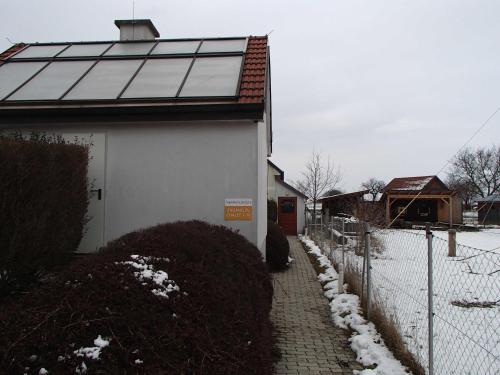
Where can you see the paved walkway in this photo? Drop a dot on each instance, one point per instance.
(306, 336)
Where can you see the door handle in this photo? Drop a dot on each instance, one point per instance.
(99, 193)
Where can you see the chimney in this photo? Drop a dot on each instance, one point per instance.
(137, 29)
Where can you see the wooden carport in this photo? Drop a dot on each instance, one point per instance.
(421, 199)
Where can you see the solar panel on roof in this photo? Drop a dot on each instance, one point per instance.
(84, 50)
(147, 72)
(40, 51)
(176, 47)
(234, 45)
(122, 49)
(158, 78)
(105, 81)
(53, 81)
(12, 75)
(213, 76)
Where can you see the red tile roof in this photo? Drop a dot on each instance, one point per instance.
(253, 80)
(10, 51)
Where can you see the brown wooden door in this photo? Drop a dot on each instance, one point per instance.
(287, 214)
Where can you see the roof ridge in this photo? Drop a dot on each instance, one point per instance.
(402, 178)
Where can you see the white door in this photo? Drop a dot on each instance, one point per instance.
(93, 233)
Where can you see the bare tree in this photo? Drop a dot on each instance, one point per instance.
(464, 190)
(374, 187)
(477, 170)
(318, 177)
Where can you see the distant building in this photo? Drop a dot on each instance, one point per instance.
(343, 204)
(421, 199)
(488, 210)
(291, 202)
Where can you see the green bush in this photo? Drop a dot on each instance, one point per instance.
(43, 202)
(277, 247)
(204, 309)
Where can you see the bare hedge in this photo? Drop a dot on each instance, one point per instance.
(277, 247)
(214, 320)
(43, 203)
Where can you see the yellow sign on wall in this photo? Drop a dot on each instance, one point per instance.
(238, 209)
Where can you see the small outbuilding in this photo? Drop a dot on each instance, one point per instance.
(488, 210)
(179, 129)
(290, 201)
(342, 204)
(421, 199)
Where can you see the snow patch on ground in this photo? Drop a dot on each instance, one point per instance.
(145, 271)
(346, 313)
(93, 352)
(81, 369)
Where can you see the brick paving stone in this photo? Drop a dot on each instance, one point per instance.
(308, 340)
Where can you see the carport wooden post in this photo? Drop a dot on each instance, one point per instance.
(452, 243)
(388, 210)
(451, 213)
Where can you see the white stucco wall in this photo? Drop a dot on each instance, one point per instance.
(271, 183)
(262, 186)
(283, 191)
(181, 171)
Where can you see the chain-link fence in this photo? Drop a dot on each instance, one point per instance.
(403, 272)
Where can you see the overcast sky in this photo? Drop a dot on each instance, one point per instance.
(385, 88)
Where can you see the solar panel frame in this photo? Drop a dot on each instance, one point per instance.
(19, 84)
(107, 47)
(146, 65)
(207, 42)
(26, 82)
(154, 50)
(85, 74)
(200, 64)
(35, 46)
(144, 57)
(70, 71)
(103, 81)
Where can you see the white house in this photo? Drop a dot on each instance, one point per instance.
(180, 129)
(291, 202)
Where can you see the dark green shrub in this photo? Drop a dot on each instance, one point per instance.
(217, 322)
(43, 201)
(277, 247)
(272, 210)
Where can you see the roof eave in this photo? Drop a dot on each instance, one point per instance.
(131, 113)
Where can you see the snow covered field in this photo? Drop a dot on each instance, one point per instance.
(466, 296)
(486, 239)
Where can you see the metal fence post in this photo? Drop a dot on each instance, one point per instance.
(331, 240)
(362, 235)
(343, 240)
(340, 281)
(452, 243)
(368, 272)
(430, 300)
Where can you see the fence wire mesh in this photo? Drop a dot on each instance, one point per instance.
(465, 290)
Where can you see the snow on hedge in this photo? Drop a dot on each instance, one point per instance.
(145, 271)
(365, 341)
